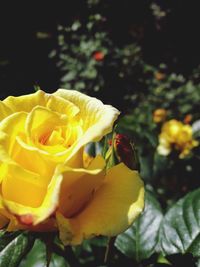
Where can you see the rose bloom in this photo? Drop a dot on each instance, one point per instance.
(45, 184)
(159, 115)
(176, 135)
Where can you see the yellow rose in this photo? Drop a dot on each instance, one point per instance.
(45, 184)
(176, 135)
(159, 115)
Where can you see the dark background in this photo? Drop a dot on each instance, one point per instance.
(24, 58)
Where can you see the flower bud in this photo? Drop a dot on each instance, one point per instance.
(122, 150)
(188, 119)
(98, 56)
(160, 76)
(159, 115)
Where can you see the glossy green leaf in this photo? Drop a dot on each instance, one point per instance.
(7, 237)
(58, 261)
(13, 252)
(180, 231)
(140, 240)
(36, 257)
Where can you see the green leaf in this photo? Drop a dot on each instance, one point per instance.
(180, 230)
(6, 238)
(13, 251)
(37, 256)
(198, 263)
(140, 240)
(100, 241)
(58, 261)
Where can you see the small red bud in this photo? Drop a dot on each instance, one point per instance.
(98, 56)
(124, 151)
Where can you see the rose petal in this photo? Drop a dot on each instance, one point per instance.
(25, 102)
(47, 207)
(5, 111)
(10, 127)
(115, 205)
(79, 185)
(22, 186)
(41, 121)
(96, 118)
(61, 105)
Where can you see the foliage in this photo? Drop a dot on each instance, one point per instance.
(180, 102)
(133, 243)
(90, 60)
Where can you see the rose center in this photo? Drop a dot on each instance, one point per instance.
(52, 138)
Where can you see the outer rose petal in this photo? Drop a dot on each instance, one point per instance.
(9, 128)
(25, 102)
(4, 111)
(42, 212)
(13, 224)
(115, 206)
(22, 186)
(79, 185)
(96, 118)
(14, 104)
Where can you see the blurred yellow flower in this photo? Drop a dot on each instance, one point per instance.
(159, 115)
(176, 135)
(48, 183)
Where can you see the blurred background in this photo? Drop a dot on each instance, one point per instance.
(138, 41)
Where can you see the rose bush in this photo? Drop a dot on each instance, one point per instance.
(45, 185)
